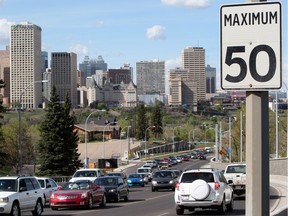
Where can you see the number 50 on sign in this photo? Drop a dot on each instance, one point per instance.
(251, 46)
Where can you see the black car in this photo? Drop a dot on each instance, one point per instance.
(115, 187)
(202, 157)
(121, 174)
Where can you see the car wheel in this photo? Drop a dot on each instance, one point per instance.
(153, 189)
(15, 210)
(118, 198)
(126, 198)
(230, 206)
(222, 207)
(90, 203)
(179, 210)
(104, 201)
(38, 209)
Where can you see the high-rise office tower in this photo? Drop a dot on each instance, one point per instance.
(89, 67)
(5, 74)
(181, 88)
(25, 62)
(193, 59)
(64, 75)
(119, 75)
(210, 79)
(150, 77)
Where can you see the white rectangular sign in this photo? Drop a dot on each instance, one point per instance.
(251, 46)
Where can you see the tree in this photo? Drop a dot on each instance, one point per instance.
(141, 121)
(10, 145)
(156, 119)
(57, 148)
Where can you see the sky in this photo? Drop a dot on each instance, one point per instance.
(126, 31)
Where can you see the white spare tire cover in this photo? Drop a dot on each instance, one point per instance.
(199, 189)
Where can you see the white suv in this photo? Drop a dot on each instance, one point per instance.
(203, 188)
(20, 194)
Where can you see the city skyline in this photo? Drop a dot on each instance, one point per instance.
(128, 32)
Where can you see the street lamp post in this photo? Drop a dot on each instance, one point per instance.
(104, 155)
(192, 130)
(153, 126)
(86, 157)
(127, 138)
(173, 147)
(20, 123)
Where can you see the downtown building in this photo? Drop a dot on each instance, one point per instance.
(181, 88)
(150, 80)
(25, 66)
(64, 75)
(193, 59)
(210, 79)
(5, 76)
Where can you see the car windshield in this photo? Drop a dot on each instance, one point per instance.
(134, 176)
(76, 186)
(143, 170)
(190, 177)
(85, 173)
(8, 185)
(163, 175)
(236, 169)
(106, 181)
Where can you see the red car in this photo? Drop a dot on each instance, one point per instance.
(82, 193)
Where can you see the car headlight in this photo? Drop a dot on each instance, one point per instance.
(52, 196)
(171, 182)
(112, 190)
(154, 182)
(129, 181)
(141, 180)
(4, 200)
(84, 195)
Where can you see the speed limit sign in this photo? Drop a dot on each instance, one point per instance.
(251, 47)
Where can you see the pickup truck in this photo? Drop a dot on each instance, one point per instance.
(236, 173)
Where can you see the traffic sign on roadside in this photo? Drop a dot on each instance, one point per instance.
(251, 46)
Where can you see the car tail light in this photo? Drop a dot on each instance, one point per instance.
(217, 185)
(177, 186)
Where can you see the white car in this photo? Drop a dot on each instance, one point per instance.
(237, 174)
(203, 188)
(48, 186)
(145, 170)
(87, 174)
(19, 194)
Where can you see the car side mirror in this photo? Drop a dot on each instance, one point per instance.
(230, 181)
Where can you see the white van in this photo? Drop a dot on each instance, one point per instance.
(87, 174)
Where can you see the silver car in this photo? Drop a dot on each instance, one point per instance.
(164, 179)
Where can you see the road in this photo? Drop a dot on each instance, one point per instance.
(144, 202)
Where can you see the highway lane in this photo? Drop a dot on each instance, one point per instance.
(144, 202)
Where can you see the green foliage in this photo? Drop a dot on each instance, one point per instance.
(11, 144)
(141, 122)
(156, 120)
(58, 149)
